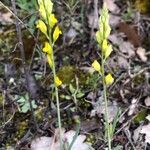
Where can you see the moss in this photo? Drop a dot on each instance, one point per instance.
(140, 116)
(67, 75)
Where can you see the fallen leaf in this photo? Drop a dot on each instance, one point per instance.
(112, 7)
(99, 109)
(136, 133)
(114, 20)
(53, 143)
(147, 101)
(93, 20)
(132, 107)
(141, 53)
(146, 130)
(123, 62)
(130, 33)
(127, 49)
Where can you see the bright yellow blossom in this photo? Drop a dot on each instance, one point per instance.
(104, 45)
(96, 65)
(56, 33)
(52, 20)
(108, 51)
(41, 25)
(45, 6)
(109, 79)
(47, 48)
(58, 82)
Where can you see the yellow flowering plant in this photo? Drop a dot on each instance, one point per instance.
(106, 49)
(47, 24)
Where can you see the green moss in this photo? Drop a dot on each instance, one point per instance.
(140, 116)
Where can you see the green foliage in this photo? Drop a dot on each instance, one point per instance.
(128, 16)
(30, 8)
(24, 105)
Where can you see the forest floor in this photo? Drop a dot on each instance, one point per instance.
(81, 98)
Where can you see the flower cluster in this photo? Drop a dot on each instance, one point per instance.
(47, 24)
(102, 39)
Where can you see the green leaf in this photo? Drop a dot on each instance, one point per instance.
(72, 89)
(80, 95)
(25, 108)
(21, 100)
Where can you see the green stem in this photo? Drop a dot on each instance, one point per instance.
(106, 103)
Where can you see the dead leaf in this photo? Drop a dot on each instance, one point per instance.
(130, 33)
(99, 108)
(147, 101)
(132, 106)
(123, 63)
(141, 53)
(114, 20)
(127, 49)
(136, 133)
(41, 143)
(53, 143)
(6, 17)
(112, 7)
(146, 130)
(93, 21)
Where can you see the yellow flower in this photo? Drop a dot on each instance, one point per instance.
(56, 33)
(41, 25)
(52, 20)
(109, 79)
(58, 82)
(49, 60)
(104, 45)
(108, 51)
(45, 6)
(96, 65)
(47, 48)
(42, 11)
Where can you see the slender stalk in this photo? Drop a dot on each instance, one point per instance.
(57, 100)
(54, 78)
(106, 103)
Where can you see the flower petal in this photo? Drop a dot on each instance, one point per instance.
(47, 48)
(109, 79)
(56, 33)
(96, 65)
(58, 82)
(52, 20)
(41, 25)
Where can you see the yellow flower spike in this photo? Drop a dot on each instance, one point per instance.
(96, 65)
(52, 20)
(58, 82)
(108, 51)
(109, 79)
(56, 33)
(41, 25)
(49, 60)
(47, 48)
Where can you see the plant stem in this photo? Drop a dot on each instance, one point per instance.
(54, 77)
(106, 103)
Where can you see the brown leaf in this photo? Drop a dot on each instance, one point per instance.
(130, 33)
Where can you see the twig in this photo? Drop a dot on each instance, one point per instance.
(22, 52)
